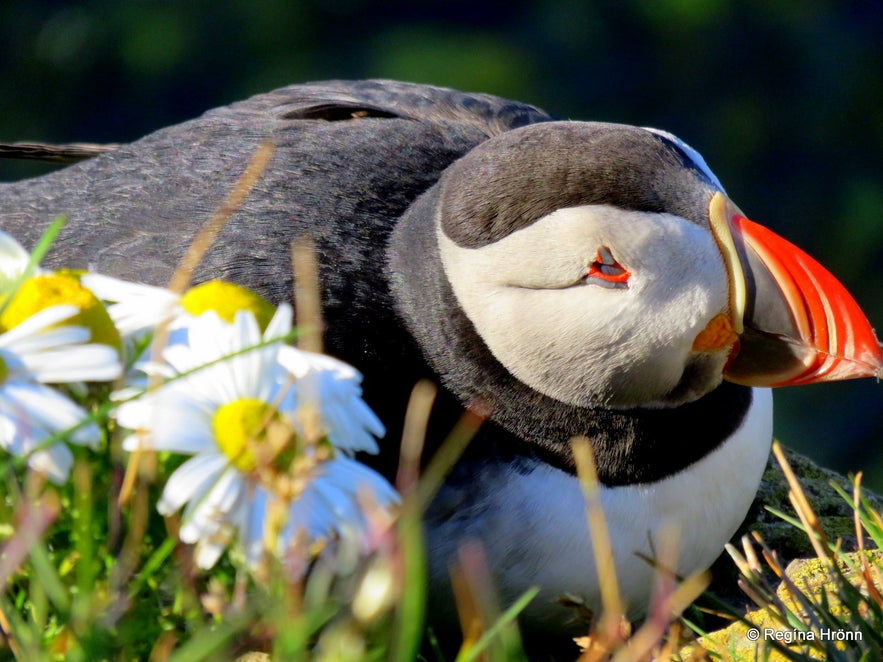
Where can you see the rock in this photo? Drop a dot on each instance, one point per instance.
(835, 514)
(794, 550)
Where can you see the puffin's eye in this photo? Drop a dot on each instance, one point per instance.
(606, 271)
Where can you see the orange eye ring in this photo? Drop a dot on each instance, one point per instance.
(607, 269)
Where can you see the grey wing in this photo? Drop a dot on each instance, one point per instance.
(349, 158)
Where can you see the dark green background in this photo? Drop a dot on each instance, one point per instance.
(783, 98)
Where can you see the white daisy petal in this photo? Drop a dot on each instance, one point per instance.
(252, 525)
(248, 369)
(10, 440)
(86, 435)
(93, 363)
(55, 461)
(209, 338)
(30, 414)
(280, 324)
(308, 514)
(192, 478)
(135, 414)
(137, 307)
(208, 553)
(212, 517)
(47, 339)
(40, 322)
(331, 501)
(346, 471)
(177, 425)
(47, 409)
(180, 358)
(112, 289)
(156, 369)
(226, 492)
(13, 261)
(333, 387)
(338, 501)
(245, 331)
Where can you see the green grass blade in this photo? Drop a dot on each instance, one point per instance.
(506, 619)
(151, 566)
(37, 255)
(48, 577)
(210, 641)
(408, 627)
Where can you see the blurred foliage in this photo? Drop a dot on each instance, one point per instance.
(782, 97)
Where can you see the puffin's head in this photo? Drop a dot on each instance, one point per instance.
(603, 265)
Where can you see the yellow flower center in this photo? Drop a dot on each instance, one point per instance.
(47, 290)
(250, 431)
(226, 299)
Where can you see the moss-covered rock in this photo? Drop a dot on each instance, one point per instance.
(808, 581)
(788, 541)
(794, 550)
(834, 513)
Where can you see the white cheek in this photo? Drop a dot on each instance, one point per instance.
(580, 343)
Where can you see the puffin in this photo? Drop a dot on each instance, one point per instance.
(565, 278)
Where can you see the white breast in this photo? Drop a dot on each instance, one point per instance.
(534, 530)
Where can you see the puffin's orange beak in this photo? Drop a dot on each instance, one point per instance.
(796, 323)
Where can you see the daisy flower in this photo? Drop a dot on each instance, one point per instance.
(46, 326)
(240, 420)
(136, 308)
